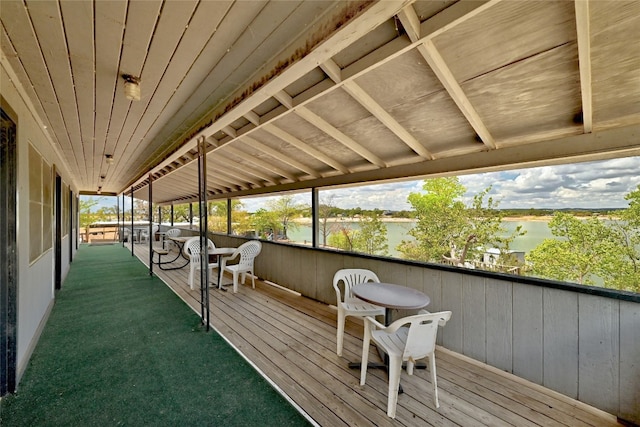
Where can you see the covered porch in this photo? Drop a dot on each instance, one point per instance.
(193, 101)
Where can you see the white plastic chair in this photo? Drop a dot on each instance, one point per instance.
(192, 250)
(248, 252)
(404, 344)
(127, 235)
(174, 232)
(350, 305)
(144, 234)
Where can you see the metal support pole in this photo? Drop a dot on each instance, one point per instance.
(151, 236)
(229, 231)
(70, 226)
(77, 219)
(315, 206)
(190, 215)
(204, 241)
(123, 220)
(172, 214)
(131, 235)
(159, 215)
(118, 220)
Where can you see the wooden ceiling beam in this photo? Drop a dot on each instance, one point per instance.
(260, 163)
(303, 146)
(252, 117)
(280, 156)
(234, 174)
(584, 57)
(352, 88)
(411, 22)
(336, 134)
(386, 119)
(230, 131)
(284, 98)
(232, 164)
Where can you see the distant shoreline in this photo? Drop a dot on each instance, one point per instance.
(541, 218)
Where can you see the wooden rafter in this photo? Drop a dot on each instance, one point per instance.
(428, 50)
(232, 164)
(301, 145)
(254, 143)
(352, 88)
(336, 134)
(584, 55)
(235, 173)
(260, 163)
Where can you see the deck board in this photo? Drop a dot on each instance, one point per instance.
(291, 340)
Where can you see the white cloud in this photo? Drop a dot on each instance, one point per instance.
(601, 184)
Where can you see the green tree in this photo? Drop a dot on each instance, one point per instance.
(181, 213)
(86, 216)
(592, 251)
(285, 211)
(448, 230)
(624, 272)
(217, 215)
(327, 210)
(265, 223)
(371, 238)
(583, 250)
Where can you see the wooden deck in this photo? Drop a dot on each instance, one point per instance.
(291, 340)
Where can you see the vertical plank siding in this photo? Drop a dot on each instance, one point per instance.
(599, 351)
(629, 361)
(583, 346)
(499, 328)
(527, 321)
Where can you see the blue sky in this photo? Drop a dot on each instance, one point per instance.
(601, 184)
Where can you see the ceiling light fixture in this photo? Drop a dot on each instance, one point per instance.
(131, 87)
(109, 158)
(99, 190)
(102, 177)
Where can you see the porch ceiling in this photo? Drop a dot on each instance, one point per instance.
(291, 95)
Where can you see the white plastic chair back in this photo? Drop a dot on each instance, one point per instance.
(349, 305)
(351, 277)
(192, 249)
(248, 252)
(144, 234)
(422, 333)
(174, 232)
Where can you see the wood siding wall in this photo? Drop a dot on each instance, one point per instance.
(583, 346)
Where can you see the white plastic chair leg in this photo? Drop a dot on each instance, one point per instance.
(191, 278)
(410, 366)
(395, 366)
(340, 334)
(432, 368)
(365, 357)
(253, 280)
(235, 282)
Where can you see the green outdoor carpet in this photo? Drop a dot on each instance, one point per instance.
(120, 348)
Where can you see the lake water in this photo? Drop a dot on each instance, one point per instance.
(537, 231)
